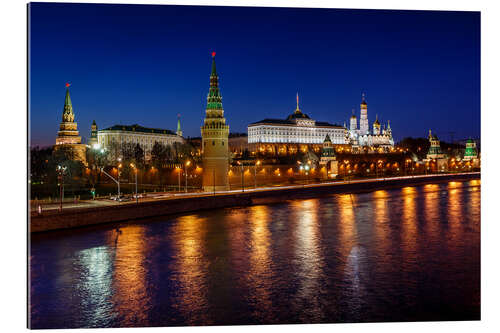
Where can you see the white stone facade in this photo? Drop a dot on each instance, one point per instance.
(145, 137)
(294, 133)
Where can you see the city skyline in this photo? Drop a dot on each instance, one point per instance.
(122, 75)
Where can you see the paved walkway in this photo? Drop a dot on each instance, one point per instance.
(171, 195)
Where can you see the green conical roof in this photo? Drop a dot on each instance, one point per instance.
(179, 123)
(214, 70)
(68, 115)
(67, 100)
(214, 98)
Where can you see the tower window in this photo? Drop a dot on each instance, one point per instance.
(213, 143)
(223, 142)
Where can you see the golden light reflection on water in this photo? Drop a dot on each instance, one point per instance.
(431, 210)
(474, 204)
(381, 221)
(409, 232)
(260, 275)
(346, 203)
(188, 238)
(454, 210)
(130, 297)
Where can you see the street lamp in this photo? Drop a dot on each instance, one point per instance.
(185, 174)
(257, 162)
(118, 177)
(242, 177)
(60, 171)
(136, 194)
(179, 177)
(306, 167)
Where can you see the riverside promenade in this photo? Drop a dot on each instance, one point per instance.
(167, 204)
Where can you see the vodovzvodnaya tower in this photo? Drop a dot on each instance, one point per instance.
(214, 134)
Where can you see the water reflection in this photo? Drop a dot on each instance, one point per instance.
(402, 254)
(131, 299)
(95, 284)
(260, 275)
(431, 211)
(346, 223)
(191, 268)
(455, 212)
(409, 225)
(307, 257)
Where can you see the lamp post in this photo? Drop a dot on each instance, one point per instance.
(185, 174)
(136, 194)
(60, 171)
(179, 177)
(307, 173)
(257, 162)
(242, 177)
(118, 177)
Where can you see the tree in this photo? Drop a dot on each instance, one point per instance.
(39, 159)
(158, 155)
(72, 176)
(139, 156)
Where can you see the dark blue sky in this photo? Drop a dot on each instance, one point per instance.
(145, 64)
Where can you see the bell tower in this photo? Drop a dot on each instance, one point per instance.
(363, 118)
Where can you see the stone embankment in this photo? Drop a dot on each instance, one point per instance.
(81, 217)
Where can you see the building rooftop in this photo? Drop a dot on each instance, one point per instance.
(138, 128)
(291, 122)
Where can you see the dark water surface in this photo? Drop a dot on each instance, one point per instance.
(398, 255)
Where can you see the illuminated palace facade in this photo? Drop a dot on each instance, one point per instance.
(297, 131)
(136, 134)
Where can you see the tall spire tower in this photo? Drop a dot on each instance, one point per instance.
(214, 134)
(179, 131)
(364, 127)
(68, 137)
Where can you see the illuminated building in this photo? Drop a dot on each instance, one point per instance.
(297, 128)
(328, 158)
(362, 137)
(136, 134)
(470, 150)
(435, 147)
(214, 134)
(93, 142)
(436, 154)
(68, 138)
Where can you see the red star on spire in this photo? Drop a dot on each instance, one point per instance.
(67, 85)
(213, 54)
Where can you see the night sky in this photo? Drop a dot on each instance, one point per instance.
(133, 64)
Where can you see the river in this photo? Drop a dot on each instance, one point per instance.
(395, 255)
